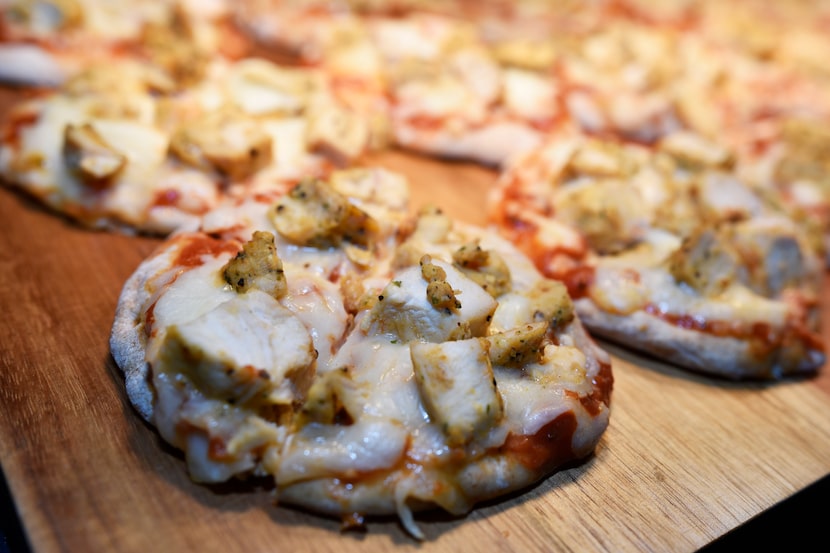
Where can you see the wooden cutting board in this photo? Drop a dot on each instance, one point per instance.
(685, 459)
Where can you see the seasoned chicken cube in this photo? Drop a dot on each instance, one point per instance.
(519, 346)
(375, 188)
(46, 17)
(432, 227)
(485, 267)
(314, 214)
(249, 350)
(439, 292)
(457, 387)
(608, 212)
(337, 133)
(228, 142)
(530, 54)
(89, 156)
(257, 266)
(404, 310)
(708, 262)
(776, 255)
(170, 46)
(551, 303)
(695, 151)
(327, 399)
(601, 159)
(260, 87)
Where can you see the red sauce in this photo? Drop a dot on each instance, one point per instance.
(600, 397)
(167, 197)
(548, 448)
(763, 338)
(197, 246)
(149, 319)
(16, 121)
(425, 122)
(578, 280)
(217, 450)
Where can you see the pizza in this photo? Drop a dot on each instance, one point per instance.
(132, 149)
(660, 182)
(665, 250)
(45, 42)
(368, 360)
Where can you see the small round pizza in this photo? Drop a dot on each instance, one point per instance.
(666, 251)
(127, 147)
(45, 42)
(446, 91)
(369, 360)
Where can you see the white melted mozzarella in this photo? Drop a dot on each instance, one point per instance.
(320, 451)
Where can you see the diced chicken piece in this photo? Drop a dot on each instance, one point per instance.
(404, 310)
(227, 142)
(536, 55)
(327, 397)
(807, 155)
(530, 94)
(373, 187)
(439, 292)
(694, 150)
(432, 227)
(708, 262)
(257, 266)
(46, 17)
(117, 87)
(88, 155)
(485, 267)
(610, 213)
(776, 258)
(170, 46)
(457, 387)
(601, 159)
(551, 302)
(337, 133)
(519, 346)
(249, 350)
(260, 87)
(314, 214)
(382, 194)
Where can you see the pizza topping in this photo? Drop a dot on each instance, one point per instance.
(777, 256)
(518, 347)
(223, 141)
(487, 268)
(597, 158)
(88, 155)
(457, 387)
(551, 303)
(235, 351)
(439, 292)
(327, 397)
(44, 17)
(337, 133)
(431, 227)
(707, 261)
(257, 266)
(693, 150)
(314, 214)
(260, 87)
(530, 54)
(609, 212)
(170, 46)
(406, 311)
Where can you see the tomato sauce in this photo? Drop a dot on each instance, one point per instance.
(548, 448)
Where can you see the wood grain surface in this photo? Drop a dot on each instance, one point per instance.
(685, 459)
